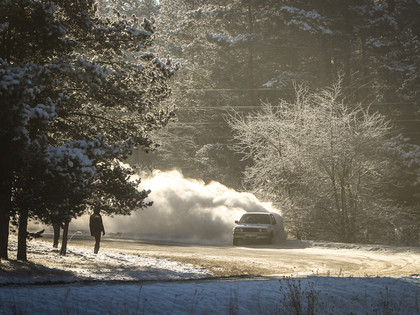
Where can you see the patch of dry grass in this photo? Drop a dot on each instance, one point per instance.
(220, 267)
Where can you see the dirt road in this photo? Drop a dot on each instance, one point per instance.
(290, 258)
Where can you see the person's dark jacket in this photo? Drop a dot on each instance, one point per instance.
(96, 225)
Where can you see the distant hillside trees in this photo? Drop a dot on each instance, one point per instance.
(236, 53)
(325, 163)
(250, 51)
(78, 93)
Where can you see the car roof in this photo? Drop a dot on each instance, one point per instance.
(257, 213)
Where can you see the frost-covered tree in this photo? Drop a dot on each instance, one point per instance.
(323, 159)
(147, 8)
(78, 93)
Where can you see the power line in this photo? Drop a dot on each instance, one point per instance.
(230, 89)
(225, 124)
(231, 107)
(257, 89)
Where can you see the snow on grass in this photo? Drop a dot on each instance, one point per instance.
(323, 295)
(81, 264)
(115, 282)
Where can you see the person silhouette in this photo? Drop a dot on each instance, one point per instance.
(96, 228)
(57, 223)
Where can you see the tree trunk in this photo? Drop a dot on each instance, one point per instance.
(347, 50)
(4, 233)
(251, 73)
(391, 6)
(5, 196)
(63, 250)
(22, 235)
(346, 231)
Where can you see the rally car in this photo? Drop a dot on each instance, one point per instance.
(258, 226)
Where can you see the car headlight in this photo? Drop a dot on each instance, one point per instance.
(238, 230)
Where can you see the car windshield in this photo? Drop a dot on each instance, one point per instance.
(255, 219)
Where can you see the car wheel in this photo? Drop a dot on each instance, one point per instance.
(235, 241)
(270, 240)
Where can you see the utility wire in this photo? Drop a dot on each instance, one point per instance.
(259, 106)
(225, 124)
(255, 89)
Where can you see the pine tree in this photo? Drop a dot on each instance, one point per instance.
(79, 92)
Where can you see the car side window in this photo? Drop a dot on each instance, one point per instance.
(273, 220)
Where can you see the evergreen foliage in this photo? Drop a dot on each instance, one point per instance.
(237, 53)
(78, 93)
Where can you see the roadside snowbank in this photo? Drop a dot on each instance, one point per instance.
(81, 265)
(114, 282)
(324, 295)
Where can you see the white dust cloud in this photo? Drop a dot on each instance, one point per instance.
(183, 210)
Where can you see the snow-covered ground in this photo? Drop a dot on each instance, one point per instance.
(115, 282)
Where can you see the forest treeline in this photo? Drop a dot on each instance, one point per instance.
(238, 56)
(311, 104)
